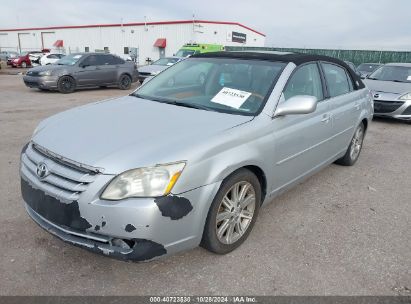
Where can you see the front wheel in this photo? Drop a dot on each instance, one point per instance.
(233, 212)
(354, 149)
(66, 84)
(124, 82)
(24, 65)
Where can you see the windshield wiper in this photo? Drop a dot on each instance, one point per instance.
(190, 105)
(175, 102)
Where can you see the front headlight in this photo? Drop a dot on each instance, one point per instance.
(406, 96)
(45, 73)
(144, 182)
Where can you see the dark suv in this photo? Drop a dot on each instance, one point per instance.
(83, 70)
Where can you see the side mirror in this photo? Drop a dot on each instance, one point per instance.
(300, 104)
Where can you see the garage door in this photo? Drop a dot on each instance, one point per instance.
(48, 38)
(4, 43)
(26, 42)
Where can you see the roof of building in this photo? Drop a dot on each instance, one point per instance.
(131, 24)
(296, 58)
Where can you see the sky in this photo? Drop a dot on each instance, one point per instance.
(342, 24)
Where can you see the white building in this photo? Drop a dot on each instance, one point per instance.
(146, 40)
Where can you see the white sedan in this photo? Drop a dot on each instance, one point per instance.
(50, 58)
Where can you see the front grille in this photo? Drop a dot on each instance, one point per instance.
(144, 73)
(407, 111)
(31, 84)
(65, 181)
(384, 106)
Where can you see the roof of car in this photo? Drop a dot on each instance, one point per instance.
(408, 65)
(296, 58)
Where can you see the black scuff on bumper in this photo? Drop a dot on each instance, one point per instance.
(65, 222)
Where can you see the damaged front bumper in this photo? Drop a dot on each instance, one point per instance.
(136, 229)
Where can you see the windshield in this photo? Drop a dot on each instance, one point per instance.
(69, 59)
(185, 53)
(166, 61)
(392, 73)
(227, 85)
(367, 67)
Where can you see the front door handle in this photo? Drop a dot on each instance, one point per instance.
(326, 118)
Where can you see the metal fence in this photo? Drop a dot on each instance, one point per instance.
(355, 56)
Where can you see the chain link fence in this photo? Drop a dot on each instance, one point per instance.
(355, 56)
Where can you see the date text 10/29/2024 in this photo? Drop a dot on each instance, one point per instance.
(203, 299)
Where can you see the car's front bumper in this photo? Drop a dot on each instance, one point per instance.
(393, 108)
(143, 76)
(135, 228)
(42, 82)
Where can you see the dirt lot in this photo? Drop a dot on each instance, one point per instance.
(344, 231)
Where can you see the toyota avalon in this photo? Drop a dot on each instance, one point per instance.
(188, 160)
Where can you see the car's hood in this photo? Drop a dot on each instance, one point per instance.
(153, 68)
(388, 86)
(130, 132)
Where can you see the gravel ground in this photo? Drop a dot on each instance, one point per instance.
(345, 231)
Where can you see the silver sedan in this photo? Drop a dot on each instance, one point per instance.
(391, 89)
(188, 160)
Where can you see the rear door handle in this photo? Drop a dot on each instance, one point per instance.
(356, 105)
(326, 118)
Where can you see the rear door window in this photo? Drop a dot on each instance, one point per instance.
(337, 79)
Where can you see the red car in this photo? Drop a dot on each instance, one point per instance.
(25, 59)
(21, 61)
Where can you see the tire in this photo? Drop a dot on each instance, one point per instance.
(124, 83)
(24, 64)
(66, 84)
(354, 149)
(232, 218)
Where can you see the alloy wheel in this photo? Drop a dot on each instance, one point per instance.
(235, 212)
(356, 142)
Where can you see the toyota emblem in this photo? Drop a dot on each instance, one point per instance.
(42, 170)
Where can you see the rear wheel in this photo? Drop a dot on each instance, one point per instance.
(124, 82)
(24, 64)
(233, 212)
(354, 149)
(66, 84)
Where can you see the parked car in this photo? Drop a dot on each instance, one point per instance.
(180, 163)
(5, 55)
(35, 56)
(83, 70)
(156, 67)
(390, 85)
(366, 69)
(353, 67)
(22, 61)
(50, 58)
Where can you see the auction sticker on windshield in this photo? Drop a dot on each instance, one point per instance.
(231, 97)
